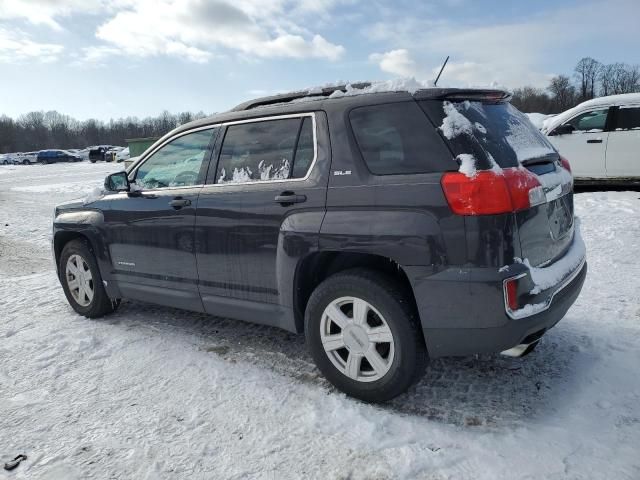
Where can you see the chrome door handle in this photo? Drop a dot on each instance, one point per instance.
(290, 197)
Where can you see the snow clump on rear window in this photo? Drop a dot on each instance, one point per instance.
(467, 164)
(454, 123)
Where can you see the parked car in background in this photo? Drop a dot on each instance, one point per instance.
(27, 158)
(389, 227)
(601, 137)
(5, 159)
(122, 155)
(56, 156)
(103, 153)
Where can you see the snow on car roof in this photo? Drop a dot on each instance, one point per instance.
(608, 101)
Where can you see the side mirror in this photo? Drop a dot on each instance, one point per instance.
(117, 182)
(565, 129)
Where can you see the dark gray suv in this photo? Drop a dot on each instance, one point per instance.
(389, 227)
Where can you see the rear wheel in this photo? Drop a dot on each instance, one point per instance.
(364, 335)
(25, 162)
(81, 281)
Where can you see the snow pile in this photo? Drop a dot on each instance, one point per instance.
(555, 179)
(538, 119)
(264, 172)
(467, 164)
(268, 172)
(454, 122)
(410, 85)
(547, 277)
(96, 194)
(525, 142)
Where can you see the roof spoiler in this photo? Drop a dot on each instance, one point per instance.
(459, 94)
(288, 97)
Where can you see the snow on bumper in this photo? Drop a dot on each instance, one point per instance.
(553, 278)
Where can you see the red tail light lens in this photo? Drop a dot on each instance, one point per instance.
(511, 293)
(565, 163)
(490, 192)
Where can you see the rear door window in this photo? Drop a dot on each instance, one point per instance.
(628, 118)
(265, 150)
(393, 138)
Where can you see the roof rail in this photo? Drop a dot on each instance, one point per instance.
(288, 97)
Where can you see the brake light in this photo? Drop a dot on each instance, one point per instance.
(565, 163)
(511, 293)
(489, 192)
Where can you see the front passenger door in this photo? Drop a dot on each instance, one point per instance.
(150, 230)
(586, 146)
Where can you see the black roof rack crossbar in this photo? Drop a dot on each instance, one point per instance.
(288, 97)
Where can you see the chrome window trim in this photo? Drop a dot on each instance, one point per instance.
(146, 156)
(134, 171)
(266, 119)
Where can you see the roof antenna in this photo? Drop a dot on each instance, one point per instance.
(441, 69)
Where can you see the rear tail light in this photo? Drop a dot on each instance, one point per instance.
(511, 294)
(489, 192)
(565, 163)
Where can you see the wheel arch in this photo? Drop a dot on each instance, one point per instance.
(318, 266)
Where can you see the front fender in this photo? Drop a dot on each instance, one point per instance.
(88, 224)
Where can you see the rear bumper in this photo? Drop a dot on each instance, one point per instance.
(463, 311)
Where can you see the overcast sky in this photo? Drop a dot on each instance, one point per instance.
(118, 58)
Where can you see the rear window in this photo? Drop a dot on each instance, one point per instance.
(494, 133)
(392, 138)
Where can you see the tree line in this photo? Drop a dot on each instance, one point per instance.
(590, 79)
(40, 130)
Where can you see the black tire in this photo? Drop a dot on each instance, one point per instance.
(393, 303)
(92, 160)
(101, 304)
(25, 162)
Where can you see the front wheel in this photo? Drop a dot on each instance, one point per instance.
(82, 282)
(25, 162)
(364, 335)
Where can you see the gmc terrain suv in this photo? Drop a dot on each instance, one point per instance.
(389, 227)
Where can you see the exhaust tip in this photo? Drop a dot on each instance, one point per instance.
(520, 350)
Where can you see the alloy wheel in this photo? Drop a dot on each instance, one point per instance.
(357, 339)
(79, 280)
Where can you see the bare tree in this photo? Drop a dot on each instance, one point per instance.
(587, 71)
(618, 78)
(531, 99)
(563, 93)
(40, 130)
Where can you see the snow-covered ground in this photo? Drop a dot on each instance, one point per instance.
(153, 392)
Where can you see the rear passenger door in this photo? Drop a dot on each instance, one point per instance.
(260, 210)
(623, 149)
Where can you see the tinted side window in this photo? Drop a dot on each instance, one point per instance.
(266, 150)
(392, 138)
(628, 118)
(176, 164)
(305, 150)
(593, 120)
